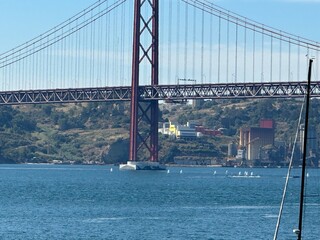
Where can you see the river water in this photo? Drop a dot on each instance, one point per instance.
(101, 202)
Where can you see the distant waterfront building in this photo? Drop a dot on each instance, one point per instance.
(252, 139)
(232, 149)
(185, 132)
(312, 139)
(190, 130)
(165, 128)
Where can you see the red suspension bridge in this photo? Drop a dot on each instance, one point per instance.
(96, 55)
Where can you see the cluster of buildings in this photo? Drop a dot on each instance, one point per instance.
(253, 143)
(189, 131)
(254, 140)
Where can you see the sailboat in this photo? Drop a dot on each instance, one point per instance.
(298, 231)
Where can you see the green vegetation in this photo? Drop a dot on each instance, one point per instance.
(99, 132)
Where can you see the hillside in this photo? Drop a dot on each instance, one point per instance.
(98, 132)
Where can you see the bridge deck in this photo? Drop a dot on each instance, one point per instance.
(161, 92)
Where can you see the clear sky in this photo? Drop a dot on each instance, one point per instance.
(21, 20)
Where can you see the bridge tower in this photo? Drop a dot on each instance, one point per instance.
(144, 52)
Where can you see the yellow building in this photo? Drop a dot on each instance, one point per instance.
(173, 128)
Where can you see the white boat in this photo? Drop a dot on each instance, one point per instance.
(142, 165)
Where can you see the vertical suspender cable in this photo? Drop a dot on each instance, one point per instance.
(298, 67)
(107, 49)
(194, 43)
(93, 49)
(186, 42)
(63, 60)
(169, 41)
(85, 53)
(18, 74)
(178, 41)
(50, 66)
(76, 60)
(33, 70)
(271, 53)
(202, 43)
(245, 52)
(91, 54)
(210, 55)
(317, 69)
(227, 76)
(123, 30)
(280, 62)
(70, 65)
(262, 55)
(236, 56)
(289, 62)
(253, 53)
(98, 49)
(219, 50)
(37, 70)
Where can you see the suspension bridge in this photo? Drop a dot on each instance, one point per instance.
(134, 51)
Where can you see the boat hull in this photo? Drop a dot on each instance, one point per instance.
(146, 165)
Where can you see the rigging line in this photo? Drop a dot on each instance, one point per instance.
(54, 29)
(60, 37)
(284, 194)
(250, 25)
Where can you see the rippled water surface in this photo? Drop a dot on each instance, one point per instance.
(92, 202)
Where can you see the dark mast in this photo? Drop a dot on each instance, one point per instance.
(299, 230)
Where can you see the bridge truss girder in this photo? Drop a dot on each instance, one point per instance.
(162, 92)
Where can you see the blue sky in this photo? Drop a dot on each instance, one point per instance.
(299, 17)
(22, 20)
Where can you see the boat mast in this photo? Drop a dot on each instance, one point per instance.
(299, 230)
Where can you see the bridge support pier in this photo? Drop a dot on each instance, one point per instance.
(144, 113)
